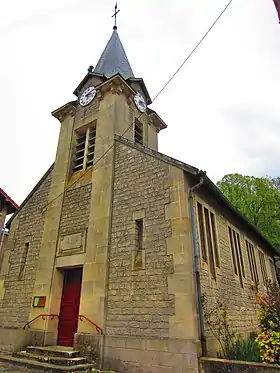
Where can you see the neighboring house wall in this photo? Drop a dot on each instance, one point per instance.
(233, 286)
(19, 264)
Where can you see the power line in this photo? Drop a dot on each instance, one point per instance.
(194, 49)
(156, 96)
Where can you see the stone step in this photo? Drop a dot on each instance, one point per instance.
(51, 359)
(33, 364)
(59, 351)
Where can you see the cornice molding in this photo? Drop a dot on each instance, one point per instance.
(64, 111)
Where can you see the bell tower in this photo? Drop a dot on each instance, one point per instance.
(110, 101)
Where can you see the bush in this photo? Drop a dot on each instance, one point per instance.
(217, 318)
(268, 338)
(243, 349)
(269, 344)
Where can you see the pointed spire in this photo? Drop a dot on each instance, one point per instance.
(113, 59)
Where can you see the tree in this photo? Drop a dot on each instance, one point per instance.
(276, 182)
(257, 198)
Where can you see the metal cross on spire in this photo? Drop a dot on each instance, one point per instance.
(115, 15)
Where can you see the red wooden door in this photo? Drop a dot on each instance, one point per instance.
(69, 307)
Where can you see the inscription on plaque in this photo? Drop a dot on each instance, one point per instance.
(72, 243)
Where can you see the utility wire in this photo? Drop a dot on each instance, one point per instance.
(156, 96)
(194, 49)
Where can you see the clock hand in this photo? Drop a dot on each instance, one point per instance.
(89, 93)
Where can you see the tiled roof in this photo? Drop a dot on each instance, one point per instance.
(12, 206)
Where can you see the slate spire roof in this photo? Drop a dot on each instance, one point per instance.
(113, 59)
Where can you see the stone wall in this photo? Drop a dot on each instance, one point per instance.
(137, 355)
(228, 366)
(241, 301)
(27, 227)
(138, 299)
(75, 209)
(151, 311)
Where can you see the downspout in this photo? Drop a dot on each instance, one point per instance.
(201, 327)
(2, 232)
(2, 235)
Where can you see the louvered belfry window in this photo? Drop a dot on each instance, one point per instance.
(84, 149)
(138, 132)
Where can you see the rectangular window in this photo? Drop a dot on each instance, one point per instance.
(23, 261)
(263, 268)
(91, 146)
(84, 149)
(138, 132)
(215, 241)
(232, 251)
(252, 262)
(236, 251)
(139, 234)
(240, 255)
(209, 243)
(201, 232)
(272, 270)
(208, 238)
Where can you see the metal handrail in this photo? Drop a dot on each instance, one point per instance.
(43, 315)
(97, 327)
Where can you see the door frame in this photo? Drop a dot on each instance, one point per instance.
(66, 270)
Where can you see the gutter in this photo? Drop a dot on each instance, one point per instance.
(201, 327)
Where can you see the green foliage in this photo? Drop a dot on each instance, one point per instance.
(269, 344)
(232, 348)
(269, 322)
(258, 199)
(243, 349)
(269, 312)
(217, 318)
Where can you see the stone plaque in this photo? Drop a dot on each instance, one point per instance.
(72, 243)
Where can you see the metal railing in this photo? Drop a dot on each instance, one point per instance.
(97, 327)
(52, 316)
(43, 315)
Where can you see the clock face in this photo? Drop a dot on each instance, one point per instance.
(87, 96)
(140, 102)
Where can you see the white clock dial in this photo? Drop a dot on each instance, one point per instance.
(140, 102)
(87, 96)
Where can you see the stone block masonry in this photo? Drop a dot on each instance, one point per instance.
(75, 210)
(209, 365)
(240, 300)
(150, 313)
(27, 228)
(138, 300)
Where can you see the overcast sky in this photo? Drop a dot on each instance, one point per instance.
(222, 109)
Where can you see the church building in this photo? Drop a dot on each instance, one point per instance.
(113, 250)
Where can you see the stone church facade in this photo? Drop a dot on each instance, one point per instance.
(117, 242)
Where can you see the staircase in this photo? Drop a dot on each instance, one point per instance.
(50, 359)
